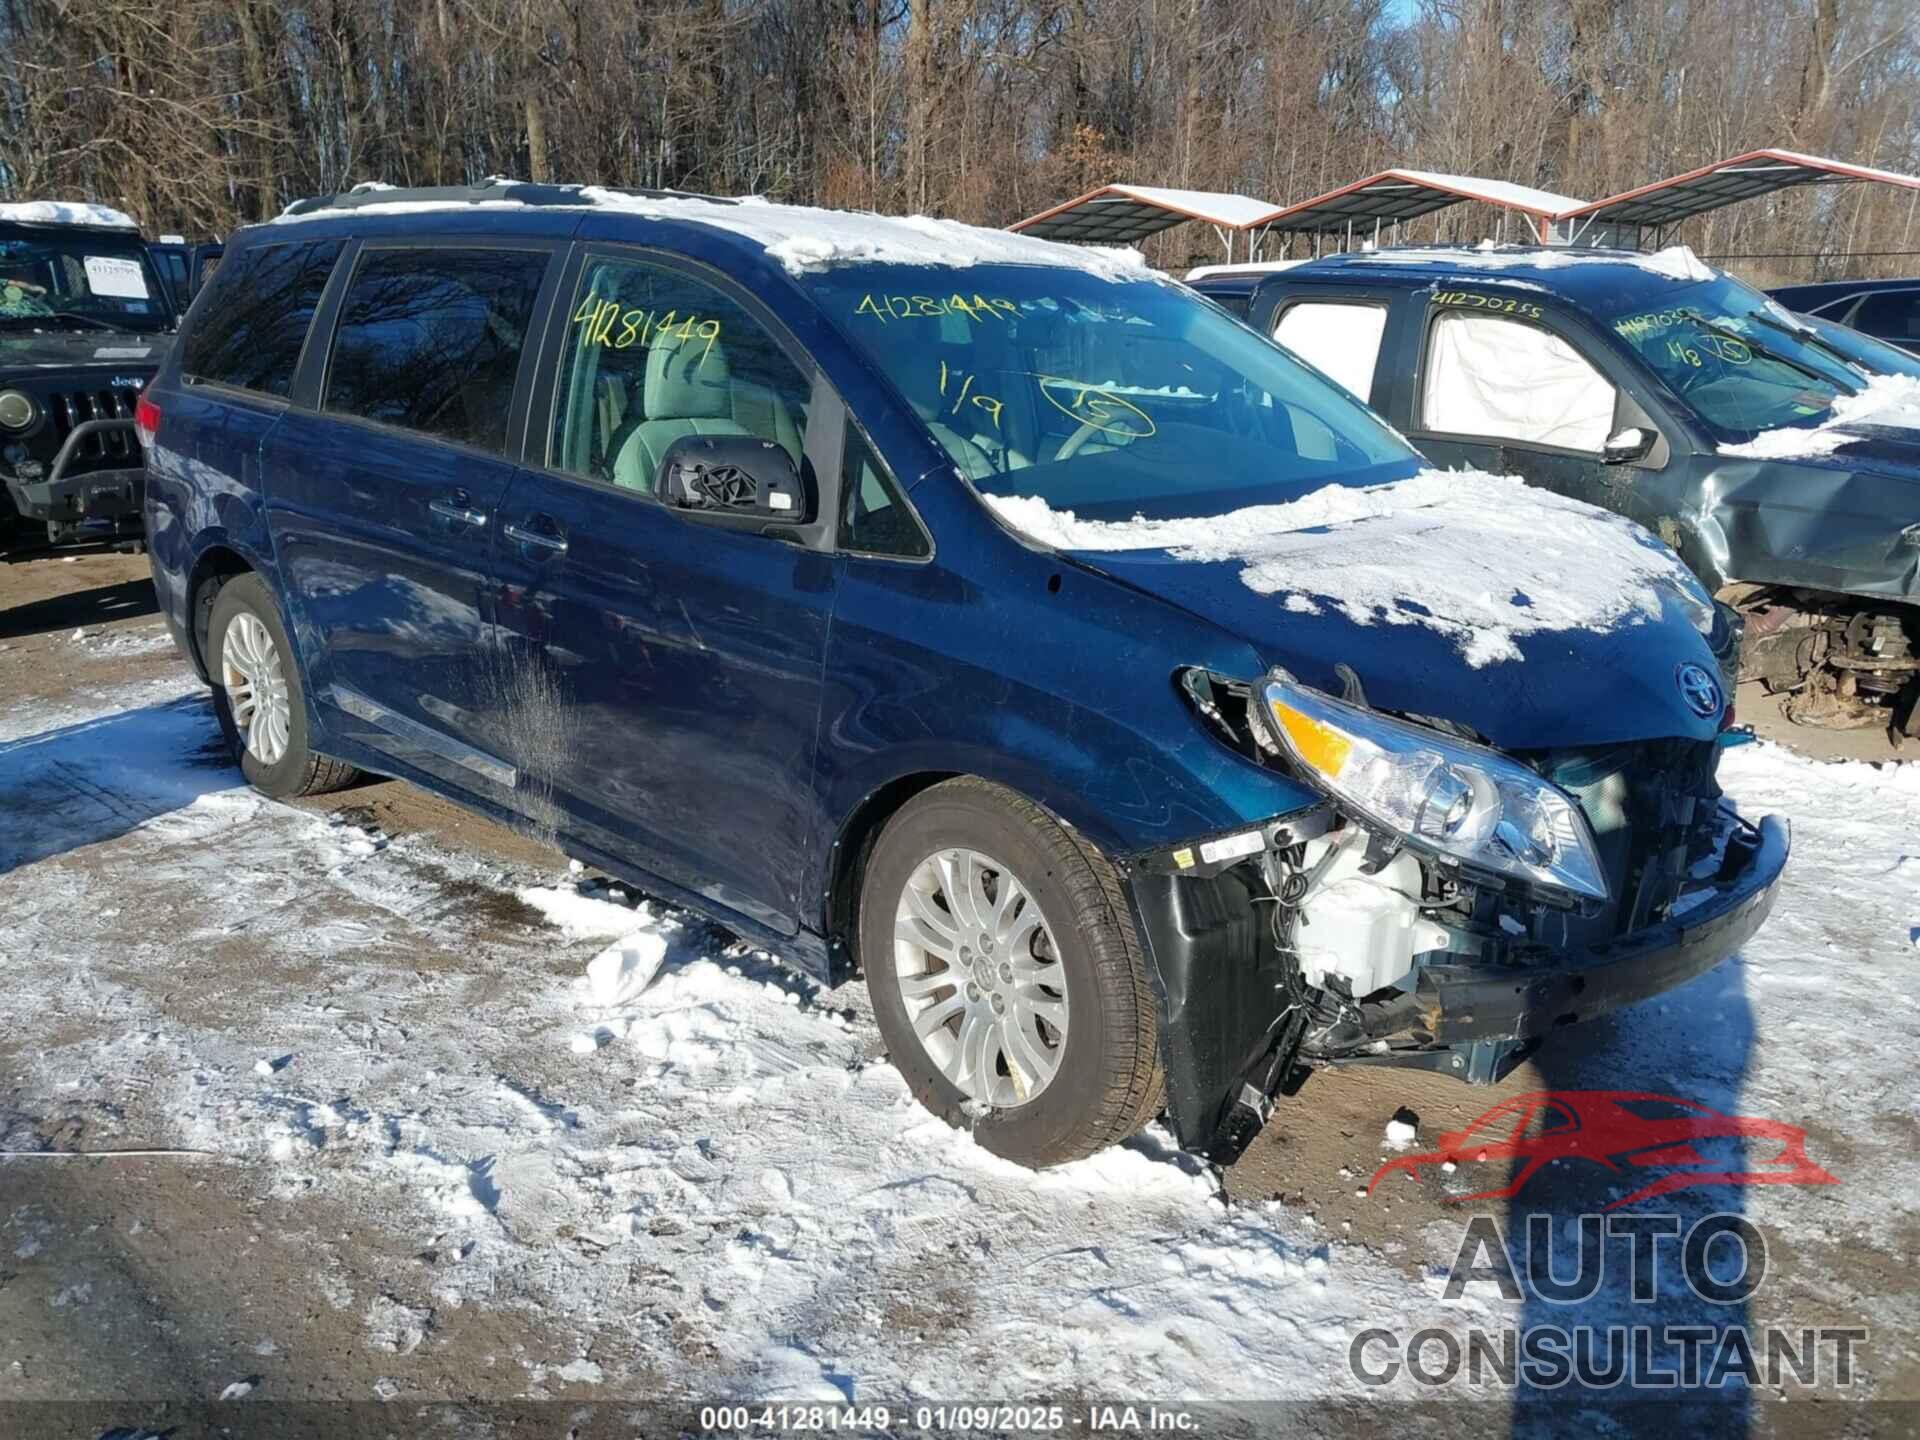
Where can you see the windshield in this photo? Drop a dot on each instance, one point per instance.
(1738, 360)
(1108, 398)
(78, 280)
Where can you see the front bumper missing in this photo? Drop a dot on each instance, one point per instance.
(1462, 1005)
(1218, 975)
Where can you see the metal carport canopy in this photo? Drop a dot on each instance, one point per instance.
(1725, 182)
(1126, 214)
(1398, 195)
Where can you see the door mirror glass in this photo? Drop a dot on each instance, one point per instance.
(733, 476)
(1626, 445)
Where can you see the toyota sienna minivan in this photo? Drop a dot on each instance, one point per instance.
(997, 620)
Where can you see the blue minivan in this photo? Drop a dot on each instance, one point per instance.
(999, 620)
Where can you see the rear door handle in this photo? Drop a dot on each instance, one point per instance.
(549, 538)
(458, 507)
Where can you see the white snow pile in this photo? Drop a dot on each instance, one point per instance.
(806, 240)
(1890, 400)
(66, 212)
(1484, 559)
(1676, 262)
(1400, 1134)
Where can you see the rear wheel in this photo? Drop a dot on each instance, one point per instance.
(258, 697)
(1006, 975)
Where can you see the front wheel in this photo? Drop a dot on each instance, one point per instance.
(258, 697)
(1007, 977)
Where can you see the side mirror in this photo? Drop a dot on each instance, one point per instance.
(739, 477)
(1625, 446)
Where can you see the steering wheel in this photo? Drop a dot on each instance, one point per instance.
(1085, 433)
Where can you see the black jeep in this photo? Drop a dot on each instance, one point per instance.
(84, 321)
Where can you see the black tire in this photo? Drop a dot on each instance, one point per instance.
(298, 771)
(1109, 1082)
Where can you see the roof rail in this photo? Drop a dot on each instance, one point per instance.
(495, 189)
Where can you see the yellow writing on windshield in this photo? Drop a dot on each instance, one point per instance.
(962, 384)
(1095, 408)
(888, 308)
(1652, 322)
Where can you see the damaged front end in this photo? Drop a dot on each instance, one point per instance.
(1838, 661)
(1444, 907)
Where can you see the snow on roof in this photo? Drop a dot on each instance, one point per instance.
(1481, 558)
(1253, 267)
(1888, 400)
(1676, 262)
(1217, 207)
(1395, 195)
(66, 212)
(1726, 182)
(1497, 192)
(1126, 214)
(805, 240)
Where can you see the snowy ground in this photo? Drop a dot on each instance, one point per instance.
(434, 1146)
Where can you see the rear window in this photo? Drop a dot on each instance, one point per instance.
(249, 330)
(431, 340)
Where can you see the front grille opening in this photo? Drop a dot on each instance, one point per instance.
(104, 449)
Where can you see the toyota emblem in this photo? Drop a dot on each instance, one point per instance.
(1699, 689)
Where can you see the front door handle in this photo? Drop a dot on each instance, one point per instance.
(457, 508)
(550, 539)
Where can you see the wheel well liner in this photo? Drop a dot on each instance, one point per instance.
(846, 865)
(212, 570)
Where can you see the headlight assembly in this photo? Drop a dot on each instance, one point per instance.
(17, 410)
(1453, 800)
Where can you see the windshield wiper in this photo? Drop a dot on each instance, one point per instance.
(1720, 328)
(1809, 336)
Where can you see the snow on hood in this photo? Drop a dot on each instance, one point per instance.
(806, 240)
(65, 212)
(1483, 559)
(1890, 400)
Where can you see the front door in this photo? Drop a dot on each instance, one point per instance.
(1500, 391)
(383, 502)
(680, 661)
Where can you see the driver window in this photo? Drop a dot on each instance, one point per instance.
(652, 356)
(1486, 375)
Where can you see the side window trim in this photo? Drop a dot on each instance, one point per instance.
(544, 390)
(1418, 400)
(854, 429)
(314, 367)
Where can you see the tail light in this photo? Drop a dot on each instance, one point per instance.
(146, 420)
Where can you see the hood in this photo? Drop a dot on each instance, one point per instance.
(1537, 621)
(119, 351)
(1566, 688)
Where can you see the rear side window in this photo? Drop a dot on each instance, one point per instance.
(250, 329)
(1341, 341)
(430, 339)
